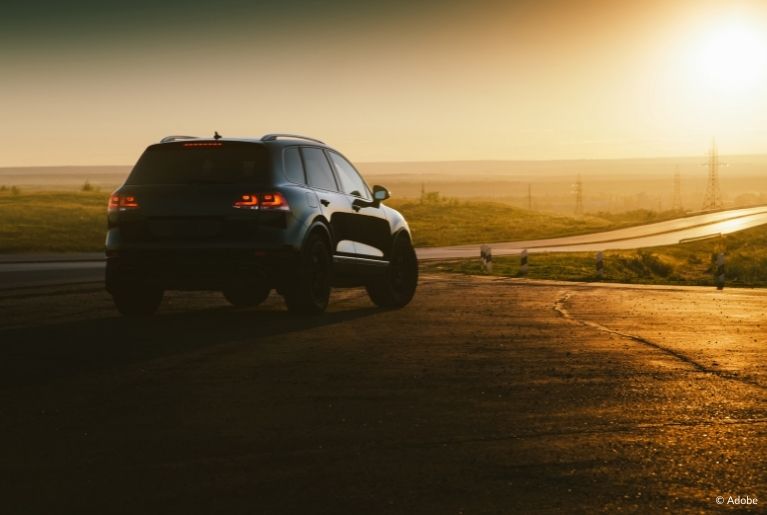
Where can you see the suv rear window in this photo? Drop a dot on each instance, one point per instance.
(201, 162)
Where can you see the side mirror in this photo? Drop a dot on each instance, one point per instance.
(380, 193)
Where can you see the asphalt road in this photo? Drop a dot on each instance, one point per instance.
(23, 275)
(35, 270)
(484, 395)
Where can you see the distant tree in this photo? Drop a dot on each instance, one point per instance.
(3, 188)
(15, 190)
(86, 186)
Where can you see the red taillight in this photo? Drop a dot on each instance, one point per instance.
(122, 202)
(273, 201)
(262, 201)
(128, 202)
(247, 202)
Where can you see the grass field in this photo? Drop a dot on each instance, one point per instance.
(75, 221)
(686, 264)
(58, 221)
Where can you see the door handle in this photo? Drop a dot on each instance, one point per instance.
(324, 202)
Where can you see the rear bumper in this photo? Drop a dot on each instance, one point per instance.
(199, 269)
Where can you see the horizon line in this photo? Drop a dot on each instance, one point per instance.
(489, 160)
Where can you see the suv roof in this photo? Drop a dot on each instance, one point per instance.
(267, 138)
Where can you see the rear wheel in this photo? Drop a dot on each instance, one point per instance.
(247, 295)
(308, 293)
(137, 300)
(396, 287)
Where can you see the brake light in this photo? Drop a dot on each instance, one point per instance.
(273, 201)
(128, 202)
(247, 202)
(122, 203)
(262, 201)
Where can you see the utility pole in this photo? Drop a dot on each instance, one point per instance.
(579, 196)
(676, 203)
(713, 198)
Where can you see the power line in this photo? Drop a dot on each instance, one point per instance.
(713, 197)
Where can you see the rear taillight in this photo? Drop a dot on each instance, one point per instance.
(246, 202)
(122, 203)
(262, 201)
(273, 201)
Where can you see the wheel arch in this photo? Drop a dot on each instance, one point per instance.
(320, 226)
(402, 232)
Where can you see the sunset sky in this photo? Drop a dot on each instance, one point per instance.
(86, 82)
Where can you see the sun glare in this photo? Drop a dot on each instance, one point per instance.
(732, 55)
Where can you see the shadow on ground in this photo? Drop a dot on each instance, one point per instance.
(46, 353)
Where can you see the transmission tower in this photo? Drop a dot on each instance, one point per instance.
(713, 198)
(579, 196)
(676, 202)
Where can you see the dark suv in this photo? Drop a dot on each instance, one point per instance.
(245, 216)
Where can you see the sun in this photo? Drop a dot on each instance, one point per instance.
(732, 54)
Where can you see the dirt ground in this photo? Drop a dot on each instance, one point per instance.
(484, 395)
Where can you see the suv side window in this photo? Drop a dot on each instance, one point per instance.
(318, 172)
(294, 168)
(351, 182)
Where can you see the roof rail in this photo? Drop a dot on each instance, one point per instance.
(168, 139)
(272, 137)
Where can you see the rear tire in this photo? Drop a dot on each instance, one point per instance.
(308, 293)
(137, 301)
(246, 296)
(397, 286)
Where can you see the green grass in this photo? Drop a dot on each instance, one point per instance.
(686, 264)
(61, 221)
(453, 222)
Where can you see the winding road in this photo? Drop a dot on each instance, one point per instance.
(669, 232)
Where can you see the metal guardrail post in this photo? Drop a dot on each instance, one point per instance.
(600, 264)
(720, 271)
(486, 254)
(523, 262)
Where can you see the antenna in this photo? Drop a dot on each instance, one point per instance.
(676, 200)
(713, 197)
